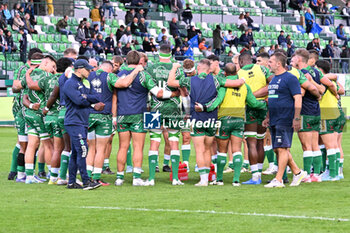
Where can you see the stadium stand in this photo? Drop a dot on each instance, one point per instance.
(207, 14)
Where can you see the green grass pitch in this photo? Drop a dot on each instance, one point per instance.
(44, 208)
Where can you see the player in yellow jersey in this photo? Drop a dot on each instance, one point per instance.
(329, 115)
(257, 77)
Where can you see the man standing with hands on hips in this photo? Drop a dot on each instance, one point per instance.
(284, 105)
(79, 99)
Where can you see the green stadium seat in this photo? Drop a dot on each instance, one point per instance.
(42, 38)
(40, 20)
(64, 39)
(115, 23)
(35, 37)
(42, 48)
(54, 20)
(62, 48)
(52, 29)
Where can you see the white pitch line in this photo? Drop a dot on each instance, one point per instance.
(217, 212)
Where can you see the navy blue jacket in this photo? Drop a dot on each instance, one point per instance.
(78, 99)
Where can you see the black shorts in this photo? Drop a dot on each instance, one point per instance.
(281, 136)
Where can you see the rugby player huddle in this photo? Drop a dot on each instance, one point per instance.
(92, 103)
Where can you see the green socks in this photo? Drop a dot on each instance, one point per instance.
(332, 157)
(230, 164)
(29, 169)
(41, 167)
(317, 162)
(128, 157)
(120, 175)
(96, 174)
(237, 164)
(64, 164)
(89, 170)
(175, 160)
(136, 172)
(308, 157)
(324, 157)
(186, 151)
(214, 159)
(14, 158)
(54, 172)
(268, 151)
(221, 162)
(285, 174)
(152, 163)
(337, 162)
(166, 159)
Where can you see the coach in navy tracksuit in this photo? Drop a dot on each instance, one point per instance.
(78, 100)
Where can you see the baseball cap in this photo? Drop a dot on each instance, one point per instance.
(81, 63)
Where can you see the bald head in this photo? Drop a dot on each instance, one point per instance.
(93, 62)
(230, 69)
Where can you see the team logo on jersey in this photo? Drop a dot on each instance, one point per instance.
(96, 82)
(151, 120)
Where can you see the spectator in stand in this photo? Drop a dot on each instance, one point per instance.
(134, 27)
(3, 24)
(230, 54)
(143, 28)
(328, 51)
(107, 5)
(97, 46)
(127, 36)
(208, 52)
(336, 59)
(28, 26)
(96, 16)
(146, 44)
(244, 39)
(17, 23)
(271, 50)
(312, 44)
(282, 40)
(89, 50)
(30, 9)
(178, 42)
(178, 54)
(161, 34)
(154, 48)
(314, 5)
(289, 40)
(129, 16)
(296, 4)
(174, 29)
(217, 40)
(251, 37)
(126, 49)
(346, 13)
(3, 43)
(327, 18)
(109, 44)
(50, 8)
(242, 23)
(164, 41)
(309, 20)
(283, 5)
(120, 32)
(61, 26)
(290, 49)
(231, 39)
(137, 4)
(187, 15)
(185, 42)
(176, 6)
(10, 44)
(23, 46)
(21, 13)
(7, 14)
(250, 22)
(345, 55)
(247, 49)
(202, 46)
(15, 10)
(87, 30)
(341, 35)
(102, 43)
(80, 36)
(118, 50)
(191, 32)
(140, 14)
